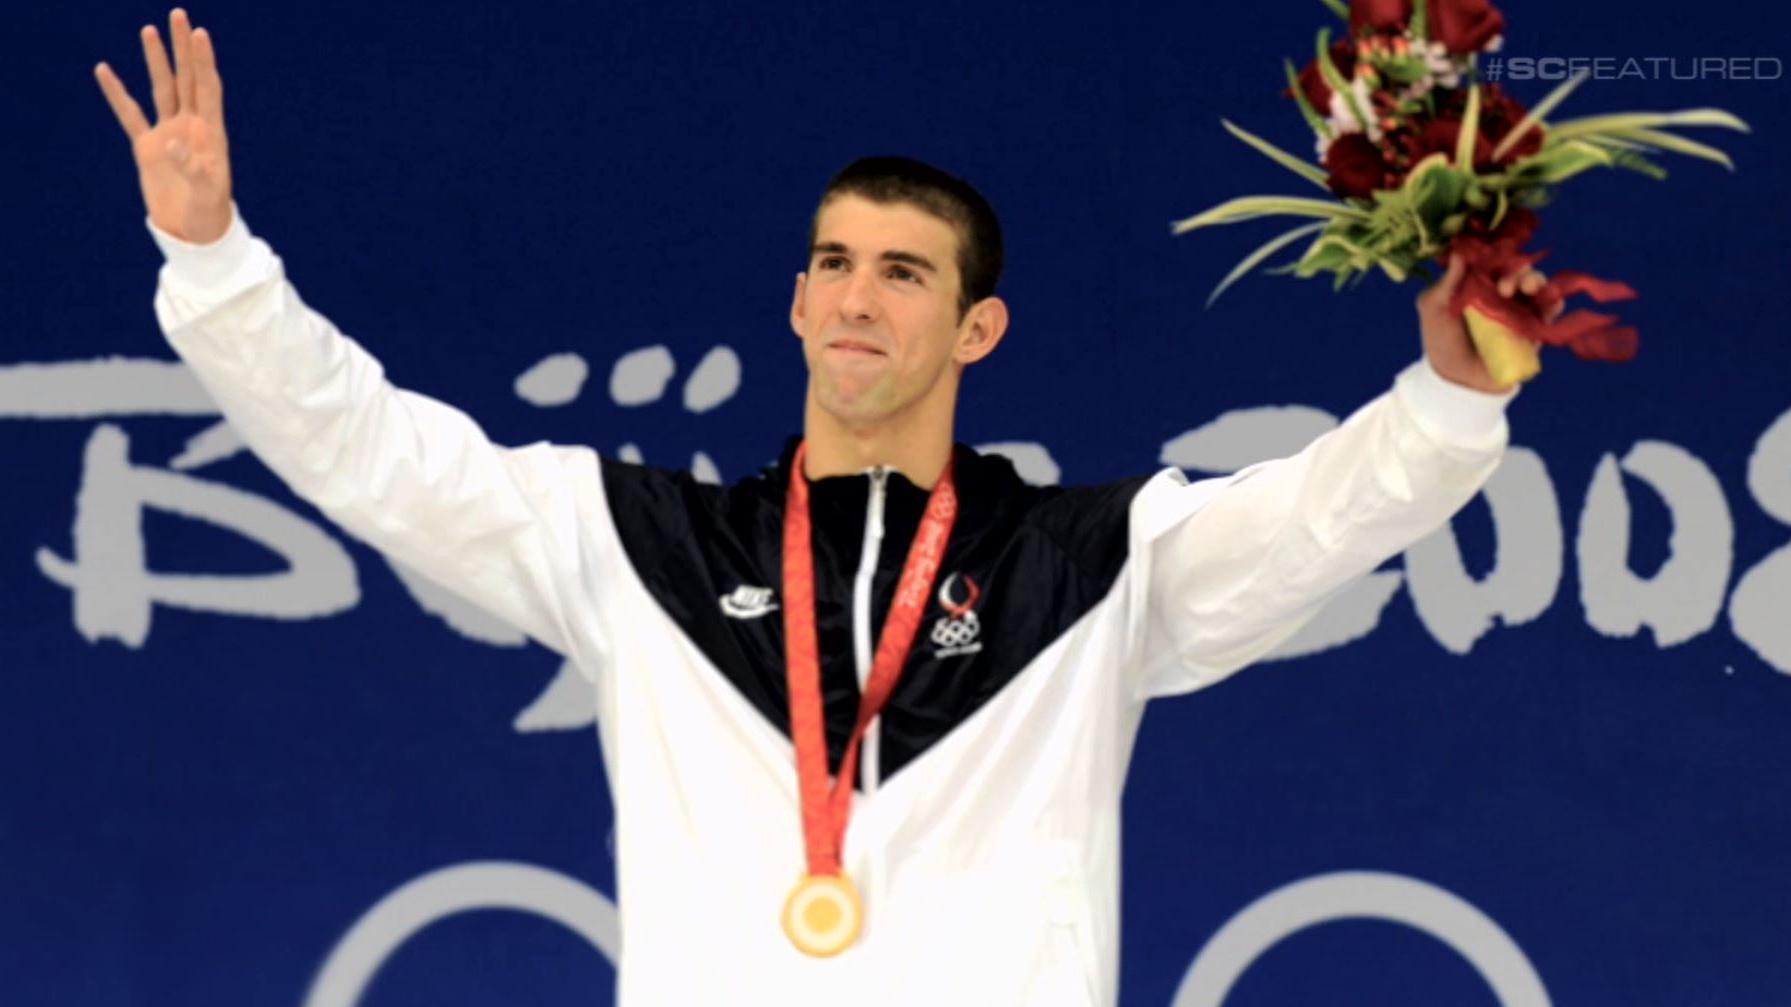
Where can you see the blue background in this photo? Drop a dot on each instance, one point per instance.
(467, 189)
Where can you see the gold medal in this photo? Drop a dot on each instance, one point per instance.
(822, 916)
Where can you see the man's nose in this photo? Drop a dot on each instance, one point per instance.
(860, 302)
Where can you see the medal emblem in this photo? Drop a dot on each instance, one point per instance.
(822, 915)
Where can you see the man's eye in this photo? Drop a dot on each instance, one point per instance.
(827, 262)
(905, 273)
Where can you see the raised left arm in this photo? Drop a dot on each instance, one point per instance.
(1258, 553)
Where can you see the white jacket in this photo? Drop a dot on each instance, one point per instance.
(986, 839)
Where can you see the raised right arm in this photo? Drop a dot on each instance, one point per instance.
(412, 476)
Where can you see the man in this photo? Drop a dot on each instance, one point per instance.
(989, 644)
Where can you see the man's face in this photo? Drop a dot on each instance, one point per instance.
(877, 309)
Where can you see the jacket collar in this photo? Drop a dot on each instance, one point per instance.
(984, 481)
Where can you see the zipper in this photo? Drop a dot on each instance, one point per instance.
(861, 616)
(872, 880)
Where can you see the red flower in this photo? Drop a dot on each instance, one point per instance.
(1378, 15)
(1429, 137)
(1491, 255)
(1499, 113)
(1355, 165)
(1343, 53)
(1464, 25)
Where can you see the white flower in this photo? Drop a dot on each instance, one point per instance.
(1444, 68)
(1343, 120)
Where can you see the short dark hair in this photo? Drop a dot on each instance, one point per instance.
(951, 199)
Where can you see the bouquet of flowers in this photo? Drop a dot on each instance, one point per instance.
(1424, 161)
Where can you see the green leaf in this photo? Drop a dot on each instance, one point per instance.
(1501, 203)
(1534, 198)
(1676, 144)
(1420, 23)
(1613, 141)
(1320, 259)
(1534, 116)
(1469, 132)
(1249, 207)
(1338, 7)
(1267, 249)
(1406, 70)
(1646, 120)
(1334, 78)
(1434, 188)
(1634, 161)
(1332, 251)
(1305, 170)
(1561, 161)
(1313, 119)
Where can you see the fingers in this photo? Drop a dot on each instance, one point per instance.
(1529, 281)
(183, 58)
(130, 116)
(1443, 290)
(1452, 276)
(161, 78)
(208, 87)
(192, 84)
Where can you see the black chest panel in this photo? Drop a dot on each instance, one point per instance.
(1028, 560)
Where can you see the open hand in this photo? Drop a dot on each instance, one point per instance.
(183, 162)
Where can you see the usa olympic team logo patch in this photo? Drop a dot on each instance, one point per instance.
(957, 630)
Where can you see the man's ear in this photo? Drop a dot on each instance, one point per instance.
(981, 331)
(796, 313)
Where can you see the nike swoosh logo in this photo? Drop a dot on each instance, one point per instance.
(747, 603)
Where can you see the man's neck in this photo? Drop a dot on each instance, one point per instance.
(917, 443)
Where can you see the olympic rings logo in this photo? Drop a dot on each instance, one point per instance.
(956, 632)
(1473, 935)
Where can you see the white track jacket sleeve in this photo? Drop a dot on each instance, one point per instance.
(411, 476)
(1236, 565)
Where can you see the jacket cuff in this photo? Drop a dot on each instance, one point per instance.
(216, 268)
(1454, 414)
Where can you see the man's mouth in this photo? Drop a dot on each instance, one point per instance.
(856, 346)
